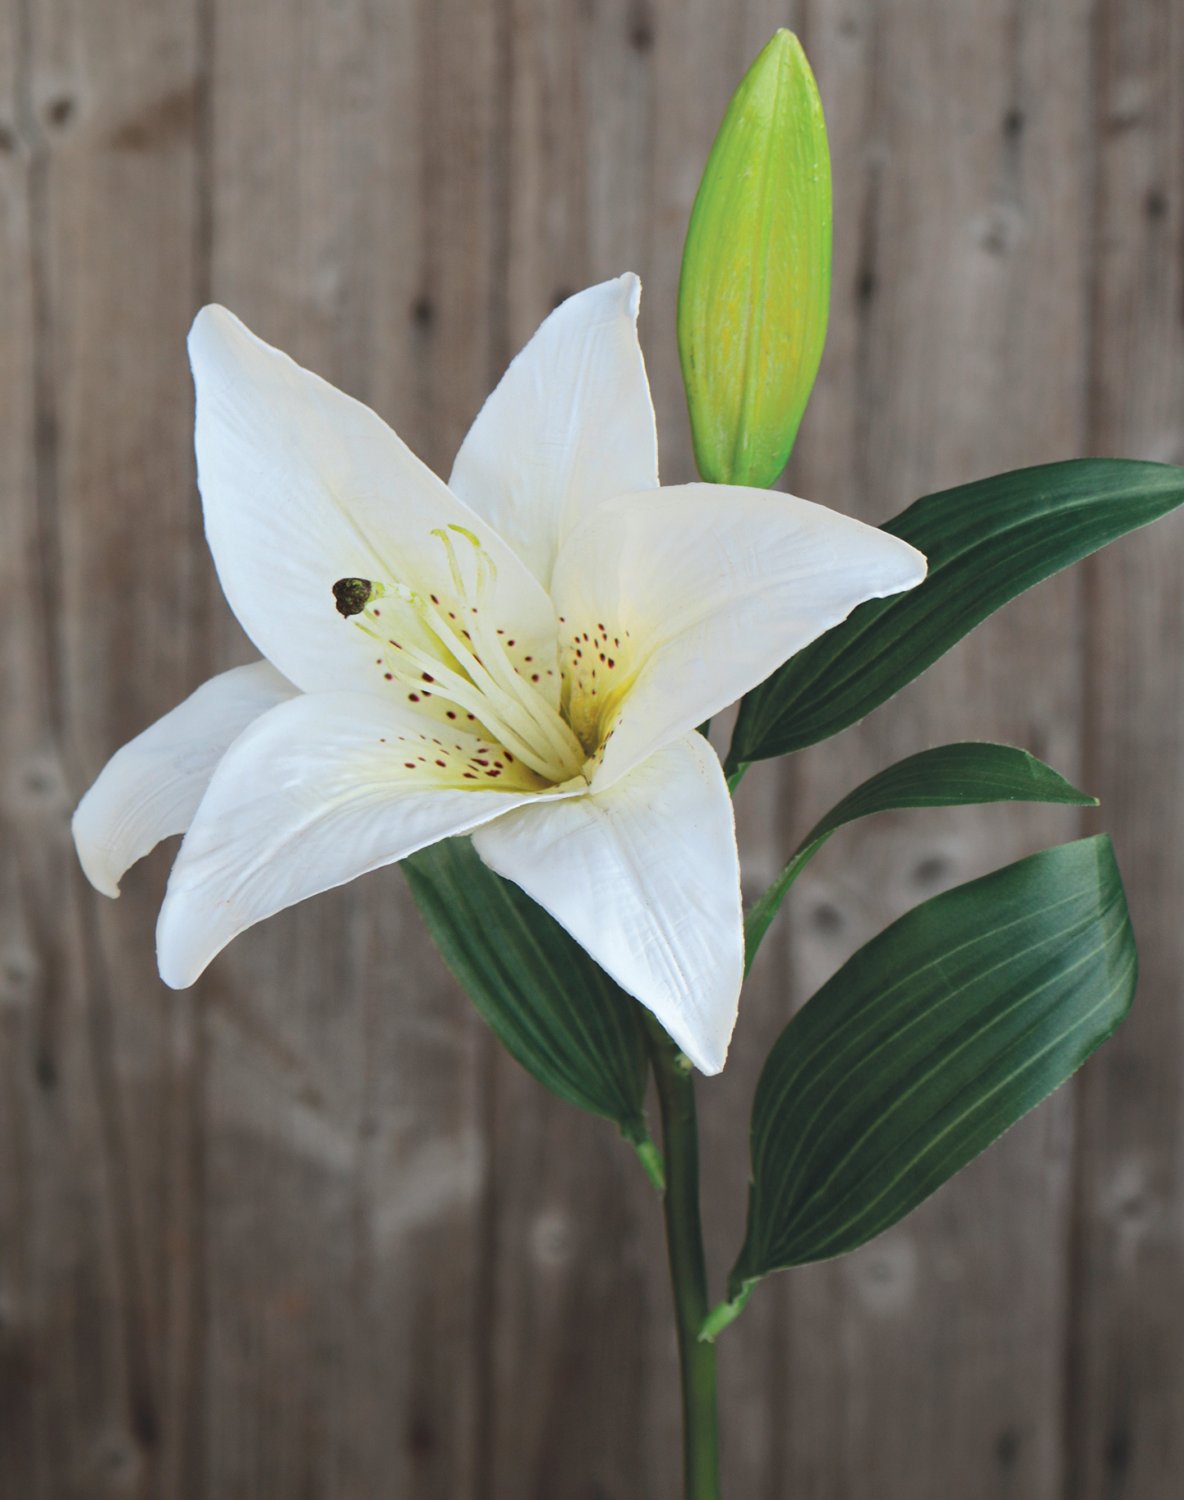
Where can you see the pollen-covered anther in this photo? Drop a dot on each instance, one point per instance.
(352, 595)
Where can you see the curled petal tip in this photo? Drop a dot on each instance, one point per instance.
(176, 968)
(96, 865)
(208, 320)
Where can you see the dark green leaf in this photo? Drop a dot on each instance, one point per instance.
(552, 1008)
(949, 776)
(986, 543)
(928, 1044)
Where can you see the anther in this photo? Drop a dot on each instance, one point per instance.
(352, 595)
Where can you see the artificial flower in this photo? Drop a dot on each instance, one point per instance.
(521, 655)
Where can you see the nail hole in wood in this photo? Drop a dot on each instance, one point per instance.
(60, 111)
(1013, 123)
(931, 869)
(827, 918)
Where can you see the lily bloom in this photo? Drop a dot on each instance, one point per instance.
(521, 655)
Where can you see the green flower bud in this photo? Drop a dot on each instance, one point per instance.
(755, 287)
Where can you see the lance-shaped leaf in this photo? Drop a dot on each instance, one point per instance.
(947, 776)
(986, 542)
(754, 294)
(555, 1011)
(928, 1044)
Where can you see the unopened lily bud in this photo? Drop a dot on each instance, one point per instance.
(755, 287)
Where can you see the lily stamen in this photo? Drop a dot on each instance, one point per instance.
(470, 666)
(515, 699)
(552, 724)
(471, 700)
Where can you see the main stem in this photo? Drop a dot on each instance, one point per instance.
(688, 1269)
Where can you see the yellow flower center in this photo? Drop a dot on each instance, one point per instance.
(454, 661)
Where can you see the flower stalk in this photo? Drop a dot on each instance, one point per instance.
(688, 1268)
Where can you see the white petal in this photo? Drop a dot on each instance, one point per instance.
(645, 877)
(151, 788)
(708, 589)
(318, 791)
(570, 424)
(302, 486)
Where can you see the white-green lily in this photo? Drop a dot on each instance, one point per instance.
(521, 655)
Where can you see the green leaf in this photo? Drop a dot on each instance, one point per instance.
(928, 1044)
(986, 542)
(754, 293)
(949, 776)
(555, 1011)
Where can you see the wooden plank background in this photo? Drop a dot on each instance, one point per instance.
(303, 1232)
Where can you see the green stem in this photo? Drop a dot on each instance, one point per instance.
(688, 1270)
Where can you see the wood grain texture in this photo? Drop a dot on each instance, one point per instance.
(958, 350)
(1125, 1379)
(304, 1231)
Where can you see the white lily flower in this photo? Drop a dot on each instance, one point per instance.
(522, 655)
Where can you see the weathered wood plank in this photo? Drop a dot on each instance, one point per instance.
(304, 1232)
(25, 1401)
(1126, 1396)
(752, 1358)
(932, 1359)
(100, 185)
(351, 223)
(607, 144)
(123, 252)
(567, 1382)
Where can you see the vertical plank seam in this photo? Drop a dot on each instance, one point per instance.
(198, 612)
(191, 1409)
(1073, 1469)
(48, 564)
(203, 246)
(141, 1388)
(46, 556)
(780, 1368)
(501, 215)
(869, 235)
(653, 245)
(501, 177)
(46, 476)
